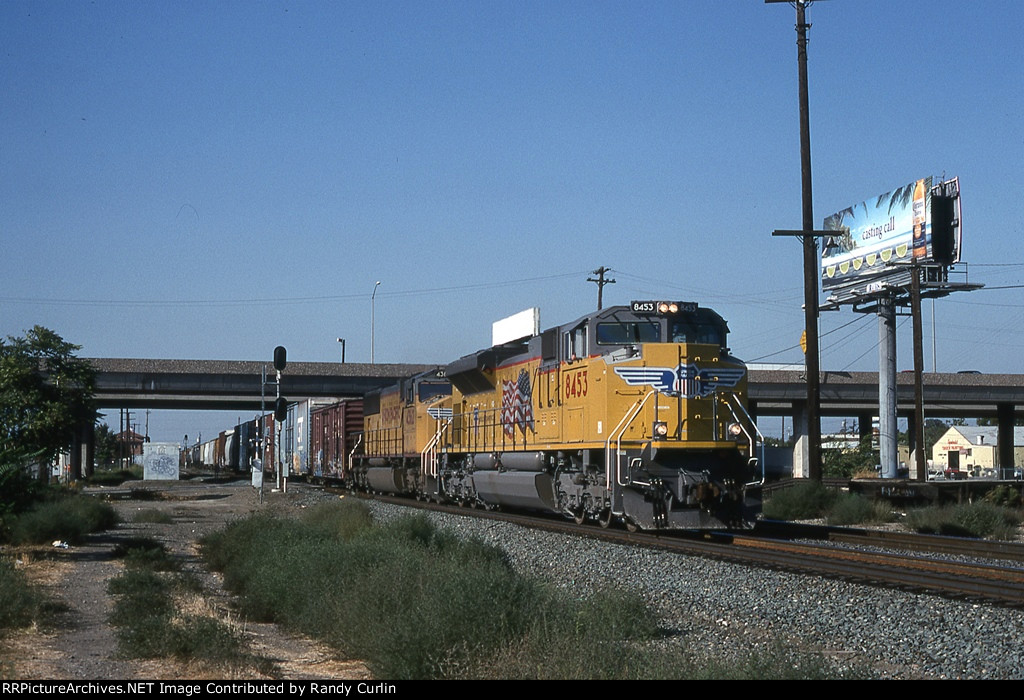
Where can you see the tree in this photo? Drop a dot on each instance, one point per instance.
(106, 445)
(46, 396)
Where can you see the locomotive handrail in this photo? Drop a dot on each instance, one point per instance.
(351, 456)
(628, 418)
(429, 454)
(732, 396)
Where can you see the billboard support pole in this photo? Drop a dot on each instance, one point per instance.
(920, 460)
(887, 427)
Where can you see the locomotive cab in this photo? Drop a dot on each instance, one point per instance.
(400, 426)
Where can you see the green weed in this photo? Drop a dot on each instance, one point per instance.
(414, 601)
(802, 501)
(983, 520)
(67, 517)
(20, 603)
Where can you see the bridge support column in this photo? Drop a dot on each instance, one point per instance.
(82, 452)
(918, 472)
(865, 426)
(801, 441)
(1005, 415)
(887, 426)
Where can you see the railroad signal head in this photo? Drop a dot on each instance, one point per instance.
(280, 358)
(280, 409)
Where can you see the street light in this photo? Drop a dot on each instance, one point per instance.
(342, 341)
(372, 317)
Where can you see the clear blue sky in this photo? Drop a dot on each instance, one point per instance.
(210, 180)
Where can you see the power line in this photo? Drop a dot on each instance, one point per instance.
(283, 301)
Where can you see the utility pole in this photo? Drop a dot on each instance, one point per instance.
(601, 282)
(810, 254)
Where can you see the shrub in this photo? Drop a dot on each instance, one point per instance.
(114, 477)
(343, 519)
(966, 520)
(145, 553)
(150, 623)
(415, 601)
(18, 490)
(845, 462)
(852, 509)
(1003, 495)
(68, 517)
(803, 501)
(20, 604)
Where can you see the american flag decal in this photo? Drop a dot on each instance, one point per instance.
(516, 405)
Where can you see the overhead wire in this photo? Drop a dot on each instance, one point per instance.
(178, 303)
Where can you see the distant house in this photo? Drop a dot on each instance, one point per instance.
(974, 449)
(130, 443)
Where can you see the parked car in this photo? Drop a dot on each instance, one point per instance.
(955, 474)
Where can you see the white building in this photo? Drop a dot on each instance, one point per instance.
(974, 449)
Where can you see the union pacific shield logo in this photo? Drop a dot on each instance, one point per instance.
(689, 381)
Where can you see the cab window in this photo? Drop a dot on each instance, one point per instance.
(628, 333)
(686, 332)
(575, 346)
(429, 390)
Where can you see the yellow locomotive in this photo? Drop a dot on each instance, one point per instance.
(399, 422)
(633, 413)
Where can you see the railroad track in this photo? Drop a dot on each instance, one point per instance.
(989, 582)
(936, 544)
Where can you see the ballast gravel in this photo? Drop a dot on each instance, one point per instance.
(720, 609)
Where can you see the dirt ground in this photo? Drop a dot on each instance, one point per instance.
(81, 644)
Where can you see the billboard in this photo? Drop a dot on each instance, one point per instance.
(876, 240)
(524, 324)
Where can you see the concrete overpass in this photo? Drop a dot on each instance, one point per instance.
(968, 395)
(214, 384)
(235, 385)
(232, 385)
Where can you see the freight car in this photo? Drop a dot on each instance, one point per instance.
(235, 449)
(335, 431)
(635, 414)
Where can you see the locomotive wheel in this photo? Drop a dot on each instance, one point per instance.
(579, 516)
(604, 518)
(632, 527)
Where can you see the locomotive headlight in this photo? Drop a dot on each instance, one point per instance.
(660, 430)
(735, 430)
(667, 307)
